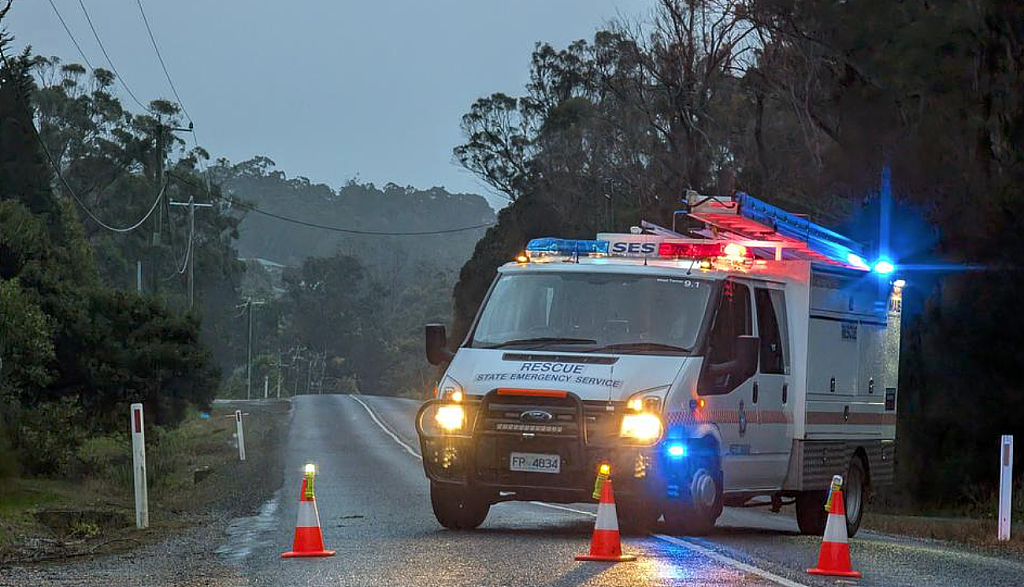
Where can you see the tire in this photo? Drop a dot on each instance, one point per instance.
(810, 505)
(637, 518)
(810, 512)
(458, 508)
(697, 516)
(855, 493)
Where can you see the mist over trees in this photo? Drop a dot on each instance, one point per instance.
(360, 206)
(95, 309)
(804, 104)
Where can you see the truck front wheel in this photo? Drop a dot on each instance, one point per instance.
(458, 508)
(636, 516)
(697, 515)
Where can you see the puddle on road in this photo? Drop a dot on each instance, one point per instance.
(244, 535)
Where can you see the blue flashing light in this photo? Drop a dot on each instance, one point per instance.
(677, 450)
(857, 261)
(884, 267)
(562, 246)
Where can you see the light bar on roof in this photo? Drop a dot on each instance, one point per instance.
(562, 247)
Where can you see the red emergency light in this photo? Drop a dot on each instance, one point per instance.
(730, 251)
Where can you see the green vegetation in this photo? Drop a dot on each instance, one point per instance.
(803, 103)
(75, 353)
(95, 312)
(93, 507)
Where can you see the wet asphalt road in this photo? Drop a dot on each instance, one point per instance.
(375, 511)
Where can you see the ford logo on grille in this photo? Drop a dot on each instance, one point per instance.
(536, 416)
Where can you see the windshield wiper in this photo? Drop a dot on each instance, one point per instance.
(543, 340)
(641, 347)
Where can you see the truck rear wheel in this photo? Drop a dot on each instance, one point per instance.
(458, 508)
(810, 505)
(810, 512)
(855, 493)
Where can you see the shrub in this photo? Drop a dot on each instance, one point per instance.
(48, 436)
(8, 463)
(98, 456)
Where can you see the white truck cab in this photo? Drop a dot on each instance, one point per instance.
(748, 365)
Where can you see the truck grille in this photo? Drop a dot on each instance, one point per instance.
(510, 414)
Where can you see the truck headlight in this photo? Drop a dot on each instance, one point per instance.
(643, 427)
(648, 400)
(450, 389)
(450, 417)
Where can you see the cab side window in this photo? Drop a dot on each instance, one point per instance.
(731, 321)
(771, 321)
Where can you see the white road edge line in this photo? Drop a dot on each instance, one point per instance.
(670, 539)
(563, 508)
(729, 561)
(394, 437)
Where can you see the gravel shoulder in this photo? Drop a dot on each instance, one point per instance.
(186, 528)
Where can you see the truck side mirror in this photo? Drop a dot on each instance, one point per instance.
(437, 344)
(748, 350)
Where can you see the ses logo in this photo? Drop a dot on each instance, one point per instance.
(634, 248)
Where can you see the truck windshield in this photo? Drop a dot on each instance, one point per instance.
(594, 312)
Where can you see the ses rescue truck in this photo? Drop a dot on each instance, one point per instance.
(744, 364)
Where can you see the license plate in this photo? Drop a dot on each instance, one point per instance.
(529, 462)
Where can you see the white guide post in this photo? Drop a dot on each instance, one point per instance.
(139, 466)
(1005, 483)
(241, 435)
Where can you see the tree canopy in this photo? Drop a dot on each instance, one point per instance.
(807, 105)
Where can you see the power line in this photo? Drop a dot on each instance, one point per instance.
(96, 219)
(60, 175)
(253, 208)
(73, 39)
(161, 58)
(355, 231)
(110, 62)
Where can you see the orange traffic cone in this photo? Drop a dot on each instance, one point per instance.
(309, 540)
(834, 558)
(605, 544)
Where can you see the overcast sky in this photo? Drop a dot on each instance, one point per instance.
(330, 88)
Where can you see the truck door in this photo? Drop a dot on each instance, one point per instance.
(728, 401)
(771, 443)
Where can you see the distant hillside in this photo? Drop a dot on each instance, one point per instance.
(357, 206)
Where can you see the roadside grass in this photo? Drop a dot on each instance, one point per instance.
(43, 519)
(962, 530)
(974, 523)
(20, 498)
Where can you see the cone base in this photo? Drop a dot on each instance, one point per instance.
(831, 573)
(607, 558)
(309, 553)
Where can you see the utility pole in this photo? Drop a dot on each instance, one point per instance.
(192, 205)
(156, 242)
(298, 373)
(159, 180)
(309, 373)
(279, 360)
(248, 349)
